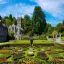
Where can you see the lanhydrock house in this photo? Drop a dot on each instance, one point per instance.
(17, 29)
(3, 32)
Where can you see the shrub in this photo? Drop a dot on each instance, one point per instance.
(62, 38)
(36, 37)
(25, 38)
(11, 33)
(50, 36)
(62, 34)
(42, 37)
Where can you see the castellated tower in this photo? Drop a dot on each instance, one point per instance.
(19, 22)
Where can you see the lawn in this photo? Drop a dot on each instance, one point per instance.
(34, 42)
(27, 42)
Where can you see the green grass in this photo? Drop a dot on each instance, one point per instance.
(27, 42)
(34, 42)
(5, 43)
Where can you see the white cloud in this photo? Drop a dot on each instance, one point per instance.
(18, 10)
(54, 7)
(3, 1)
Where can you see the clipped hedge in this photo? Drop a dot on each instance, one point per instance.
(62, 38)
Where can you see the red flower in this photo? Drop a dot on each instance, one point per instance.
(42, 54)
(3, 60)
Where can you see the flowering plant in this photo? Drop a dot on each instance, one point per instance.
(42, 54)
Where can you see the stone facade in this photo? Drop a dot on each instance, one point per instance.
(3, 33)
(16, 29)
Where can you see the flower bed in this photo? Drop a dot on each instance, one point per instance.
(42, 55)
(45, 53)
(58, 60)
(3, 60)
(6, 51)
(18, 55)
(31, 61)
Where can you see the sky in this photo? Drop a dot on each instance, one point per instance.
(53, 9)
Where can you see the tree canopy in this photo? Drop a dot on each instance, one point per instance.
(36, 24)
(38, 20)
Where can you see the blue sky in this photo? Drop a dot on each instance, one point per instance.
(54, 9)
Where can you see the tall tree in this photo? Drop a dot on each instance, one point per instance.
(8, 22)
(14, 21)
(60, 27)
(11, 18)
(38, 20)
(27, 23)
(0, 18)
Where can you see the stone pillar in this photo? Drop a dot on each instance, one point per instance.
(56, 36)
(47, 37)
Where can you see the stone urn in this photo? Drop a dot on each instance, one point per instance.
(31, 53)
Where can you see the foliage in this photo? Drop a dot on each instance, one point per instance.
(62, 34)
(8, 22)
(60, 27)
(35, 25)
(43, 54)
(38, 20)
(10, 18)
(27, 23)
(27, 42)
(0, 18)
(11, 33)
(54, 33)
(31, 61)
(18, 55)
(14, 21)
(25, 38)
(50, 35)
(36, 37)
(42, 37)
(62, 38)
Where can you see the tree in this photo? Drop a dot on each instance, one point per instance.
(27, 23)
(60, 27)
(63, 22)
(48, 29)
(14, 21)
(0, 18)
(54, 34)
(8, 22)
(11, 18)
(38, 20)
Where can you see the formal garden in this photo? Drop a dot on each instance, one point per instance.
(41, 52)
(31, 39)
